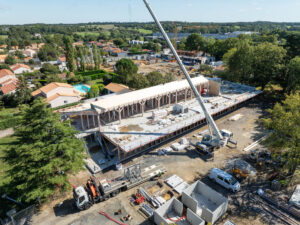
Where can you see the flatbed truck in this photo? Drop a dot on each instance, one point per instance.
(85, 196)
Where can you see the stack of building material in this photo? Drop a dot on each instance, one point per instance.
(180, 108)
(178, 184)
(92, 166)
(159, 114)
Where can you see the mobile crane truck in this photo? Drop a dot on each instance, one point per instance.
(85, 196)
(216, 138)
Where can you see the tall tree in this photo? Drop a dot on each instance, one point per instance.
(23, 92)
(47, 151)
(94, 92)
(155, 78)
(268, 62)
(70, 53)
(239, 62)
(284, 121)
(82, 59)
(195, 42)
(126, 69)
(96, 57)
(10, 60)
(292, 81)
(139, 81)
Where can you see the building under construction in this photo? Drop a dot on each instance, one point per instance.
(131, 123)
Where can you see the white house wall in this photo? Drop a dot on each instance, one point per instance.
(61, 101)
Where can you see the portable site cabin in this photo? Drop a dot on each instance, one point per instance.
(171, 212)
(205, 202)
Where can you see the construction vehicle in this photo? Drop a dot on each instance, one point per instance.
(85, 197)
(216, 137)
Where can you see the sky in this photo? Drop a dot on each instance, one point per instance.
(83, 11)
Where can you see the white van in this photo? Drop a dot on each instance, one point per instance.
(224, 179)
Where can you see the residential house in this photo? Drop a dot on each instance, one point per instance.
(2, 58)
(116, 88)
(58, 94)
(29, 52)
(8, 87)
(5, 75)
(20, 68)
(8, 82)
(79, 43)
(3, 46)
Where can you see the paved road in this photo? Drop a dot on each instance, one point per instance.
(6, 132)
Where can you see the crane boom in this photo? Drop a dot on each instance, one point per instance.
(198, 96)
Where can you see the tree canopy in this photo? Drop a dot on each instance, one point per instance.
(284, 122)
(126, 68)
(46, 152)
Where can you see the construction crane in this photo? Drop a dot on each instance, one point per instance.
(217, 138)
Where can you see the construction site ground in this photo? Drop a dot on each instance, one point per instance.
(187, 164)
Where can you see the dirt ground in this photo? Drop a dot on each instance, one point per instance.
(187, 164)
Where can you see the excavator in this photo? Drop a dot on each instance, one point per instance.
(216, 138)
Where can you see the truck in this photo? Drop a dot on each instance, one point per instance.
(85, 196)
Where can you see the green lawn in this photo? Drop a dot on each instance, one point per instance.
(3, 37)
(144, 31)
(8, 118)
(96, 34)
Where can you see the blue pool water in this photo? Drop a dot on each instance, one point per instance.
(82, 88)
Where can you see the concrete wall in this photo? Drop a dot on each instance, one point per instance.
(194, 219)
(61, 101)
(175, 205)
(214, 88)
(160, 213)
(211, 195)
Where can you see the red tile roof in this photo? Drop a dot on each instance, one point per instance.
(18, 66)
(5, 72)
(9, 88)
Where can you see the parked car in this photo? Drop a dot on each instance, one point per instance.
(224, 179)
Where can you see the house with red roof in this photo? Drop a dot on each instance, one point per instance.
(20, 68)
(8, 82)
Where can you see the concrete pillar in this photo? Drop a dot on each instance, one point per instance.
(119, 110)
(81, 119)
(176, 97)
(185, 93)
(123, 109)
(99, 121)
(169, 95)
(132, 109)
(191, 94)
(94, 120)
(158, 102)
(88, 122)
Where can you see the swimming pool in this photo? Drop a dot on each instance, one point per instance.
(82, 88)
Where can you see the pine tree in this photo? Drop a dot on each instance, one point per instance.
(23, 92)
(47, 151)
(70, 53)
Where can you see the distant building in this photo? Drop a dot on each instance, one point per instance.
(137, 42)
(3, 46)
(29, 52)
(2, 58)
(20, 68)
(37, 35)
(58, 94)
(116, 88)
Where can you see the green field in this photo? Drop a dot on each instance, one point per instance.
(3, 37)
(144, 31)
(96, 34)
